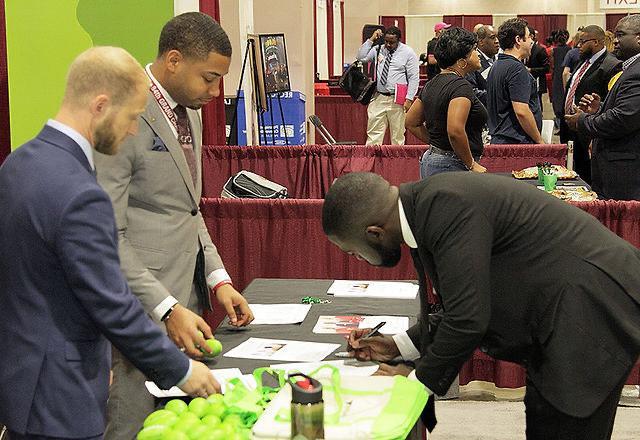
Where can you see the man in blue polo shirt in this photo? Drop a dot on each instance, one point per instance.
(513, 105)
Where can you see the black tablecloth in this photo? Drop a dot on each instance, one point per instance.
(285, 291)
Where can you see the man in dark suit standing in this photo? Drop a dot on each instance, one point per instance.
(62, 294)
(538, 64)
(522, 275)
(591, 76)
(487, 49)
(614, 124)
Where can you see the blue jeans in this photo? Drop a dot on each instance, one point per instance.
(432, 163)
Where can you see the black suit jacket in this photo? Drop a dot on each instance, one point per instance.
(478, 81)
(615, 129)
(538, 62)
(528, 278)
(595, 80)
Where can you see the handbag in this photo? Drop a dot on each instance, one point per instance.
(374, 407)
(357, 84)
(248, 185)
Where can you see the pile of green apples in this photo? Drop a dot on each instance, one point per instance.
(201, 419)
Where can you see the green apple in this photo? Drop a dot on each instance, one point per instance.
(214, 434)
(215, 398)
(197, 431)
(198, 406)
(216, 409)
(186, 421)
(172, 434)
(228, 428)
(214, 345)
(176, 406)
(154, 432)
(211, 421)
(160, 417)
(235, 420)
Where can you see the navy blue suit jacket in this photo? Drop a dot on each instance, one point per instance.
(63, 296)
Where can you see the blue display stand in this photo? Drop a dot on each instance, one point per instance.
(294, 117)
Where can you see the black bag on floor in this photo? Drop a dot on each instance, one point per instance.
(248, 185)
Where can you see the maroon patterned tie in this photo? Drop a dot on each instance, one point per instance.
(186, 141)
(568, 105)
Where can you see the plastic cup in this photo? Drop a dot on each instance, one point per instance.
(550, 182)
(540, 176)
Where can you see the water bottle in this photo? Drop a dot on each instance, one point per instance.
(307, 408)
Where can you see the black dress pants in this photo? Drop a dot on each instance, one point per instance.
(544, 422)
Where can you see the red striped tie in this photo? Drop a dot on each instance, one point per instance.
(568, 105)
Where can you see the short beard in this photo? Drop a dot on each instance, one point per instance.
(388, 257)
(104, 140)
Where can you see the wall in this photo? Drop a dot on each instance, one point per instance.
(357, 13)
(417, 7)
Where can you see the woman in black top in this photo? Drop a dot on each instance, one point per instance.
(450, 110)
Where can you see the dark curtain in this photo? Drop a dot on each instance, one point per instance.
(537, 22)
(390, 20)
(554, 21)
(612, 20)
(330, 37)
(5, 135)
(453, 20)
(469, 21)
(213, 118)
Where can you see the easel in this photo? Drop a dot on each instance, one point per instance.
(256, 93)
(256, 90)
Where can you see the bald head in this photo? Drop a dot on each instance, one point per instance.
(353, 202)
(104, 70)
(487, 40)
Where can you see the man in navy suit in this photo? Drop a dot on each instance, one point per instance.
(487, 50)
(62, 294)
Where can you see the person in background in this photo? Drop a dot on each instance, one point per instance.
(166, 252)
(487, 50)
(432, 64)
(62, 294)
(608, 41)
(614, 122)
(592, 75)
(557, 85)
(538, 65)
(572, 58)
(452, 113)
(397, 64)
(513, 104)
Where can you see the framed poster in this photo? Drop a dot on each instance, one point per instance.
(274, 63)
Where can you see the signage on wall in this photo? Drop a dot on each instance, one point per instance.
(619, 4)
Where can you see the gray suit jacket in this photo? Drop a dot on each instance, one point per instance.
(527, 278)
(157, 212)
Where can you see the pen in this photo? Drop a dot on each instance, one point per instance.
(374, 330)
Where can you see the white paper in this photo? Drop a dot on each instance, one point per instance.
(279, 313)
(282, 350)
(221, 375)
(373, 289)
(347, 368)
(328, 324)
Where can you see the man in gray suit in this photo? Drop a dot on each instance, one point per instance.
(155, 186)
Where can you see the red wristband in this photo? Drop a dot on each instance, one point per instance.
(222, 283)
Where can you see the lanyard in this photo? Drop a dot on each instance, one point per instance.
(169, 113)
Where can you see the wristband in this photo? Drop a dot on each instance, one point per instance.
(221, 283)
(168, 314)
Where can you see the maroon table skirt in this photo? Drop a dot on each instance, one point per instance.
(308, 170)
(284, 239)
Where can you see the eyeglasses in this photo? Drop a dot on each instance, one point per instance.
(581, 42)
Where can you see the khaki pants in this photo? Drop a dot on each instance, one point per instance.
(383, 112)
